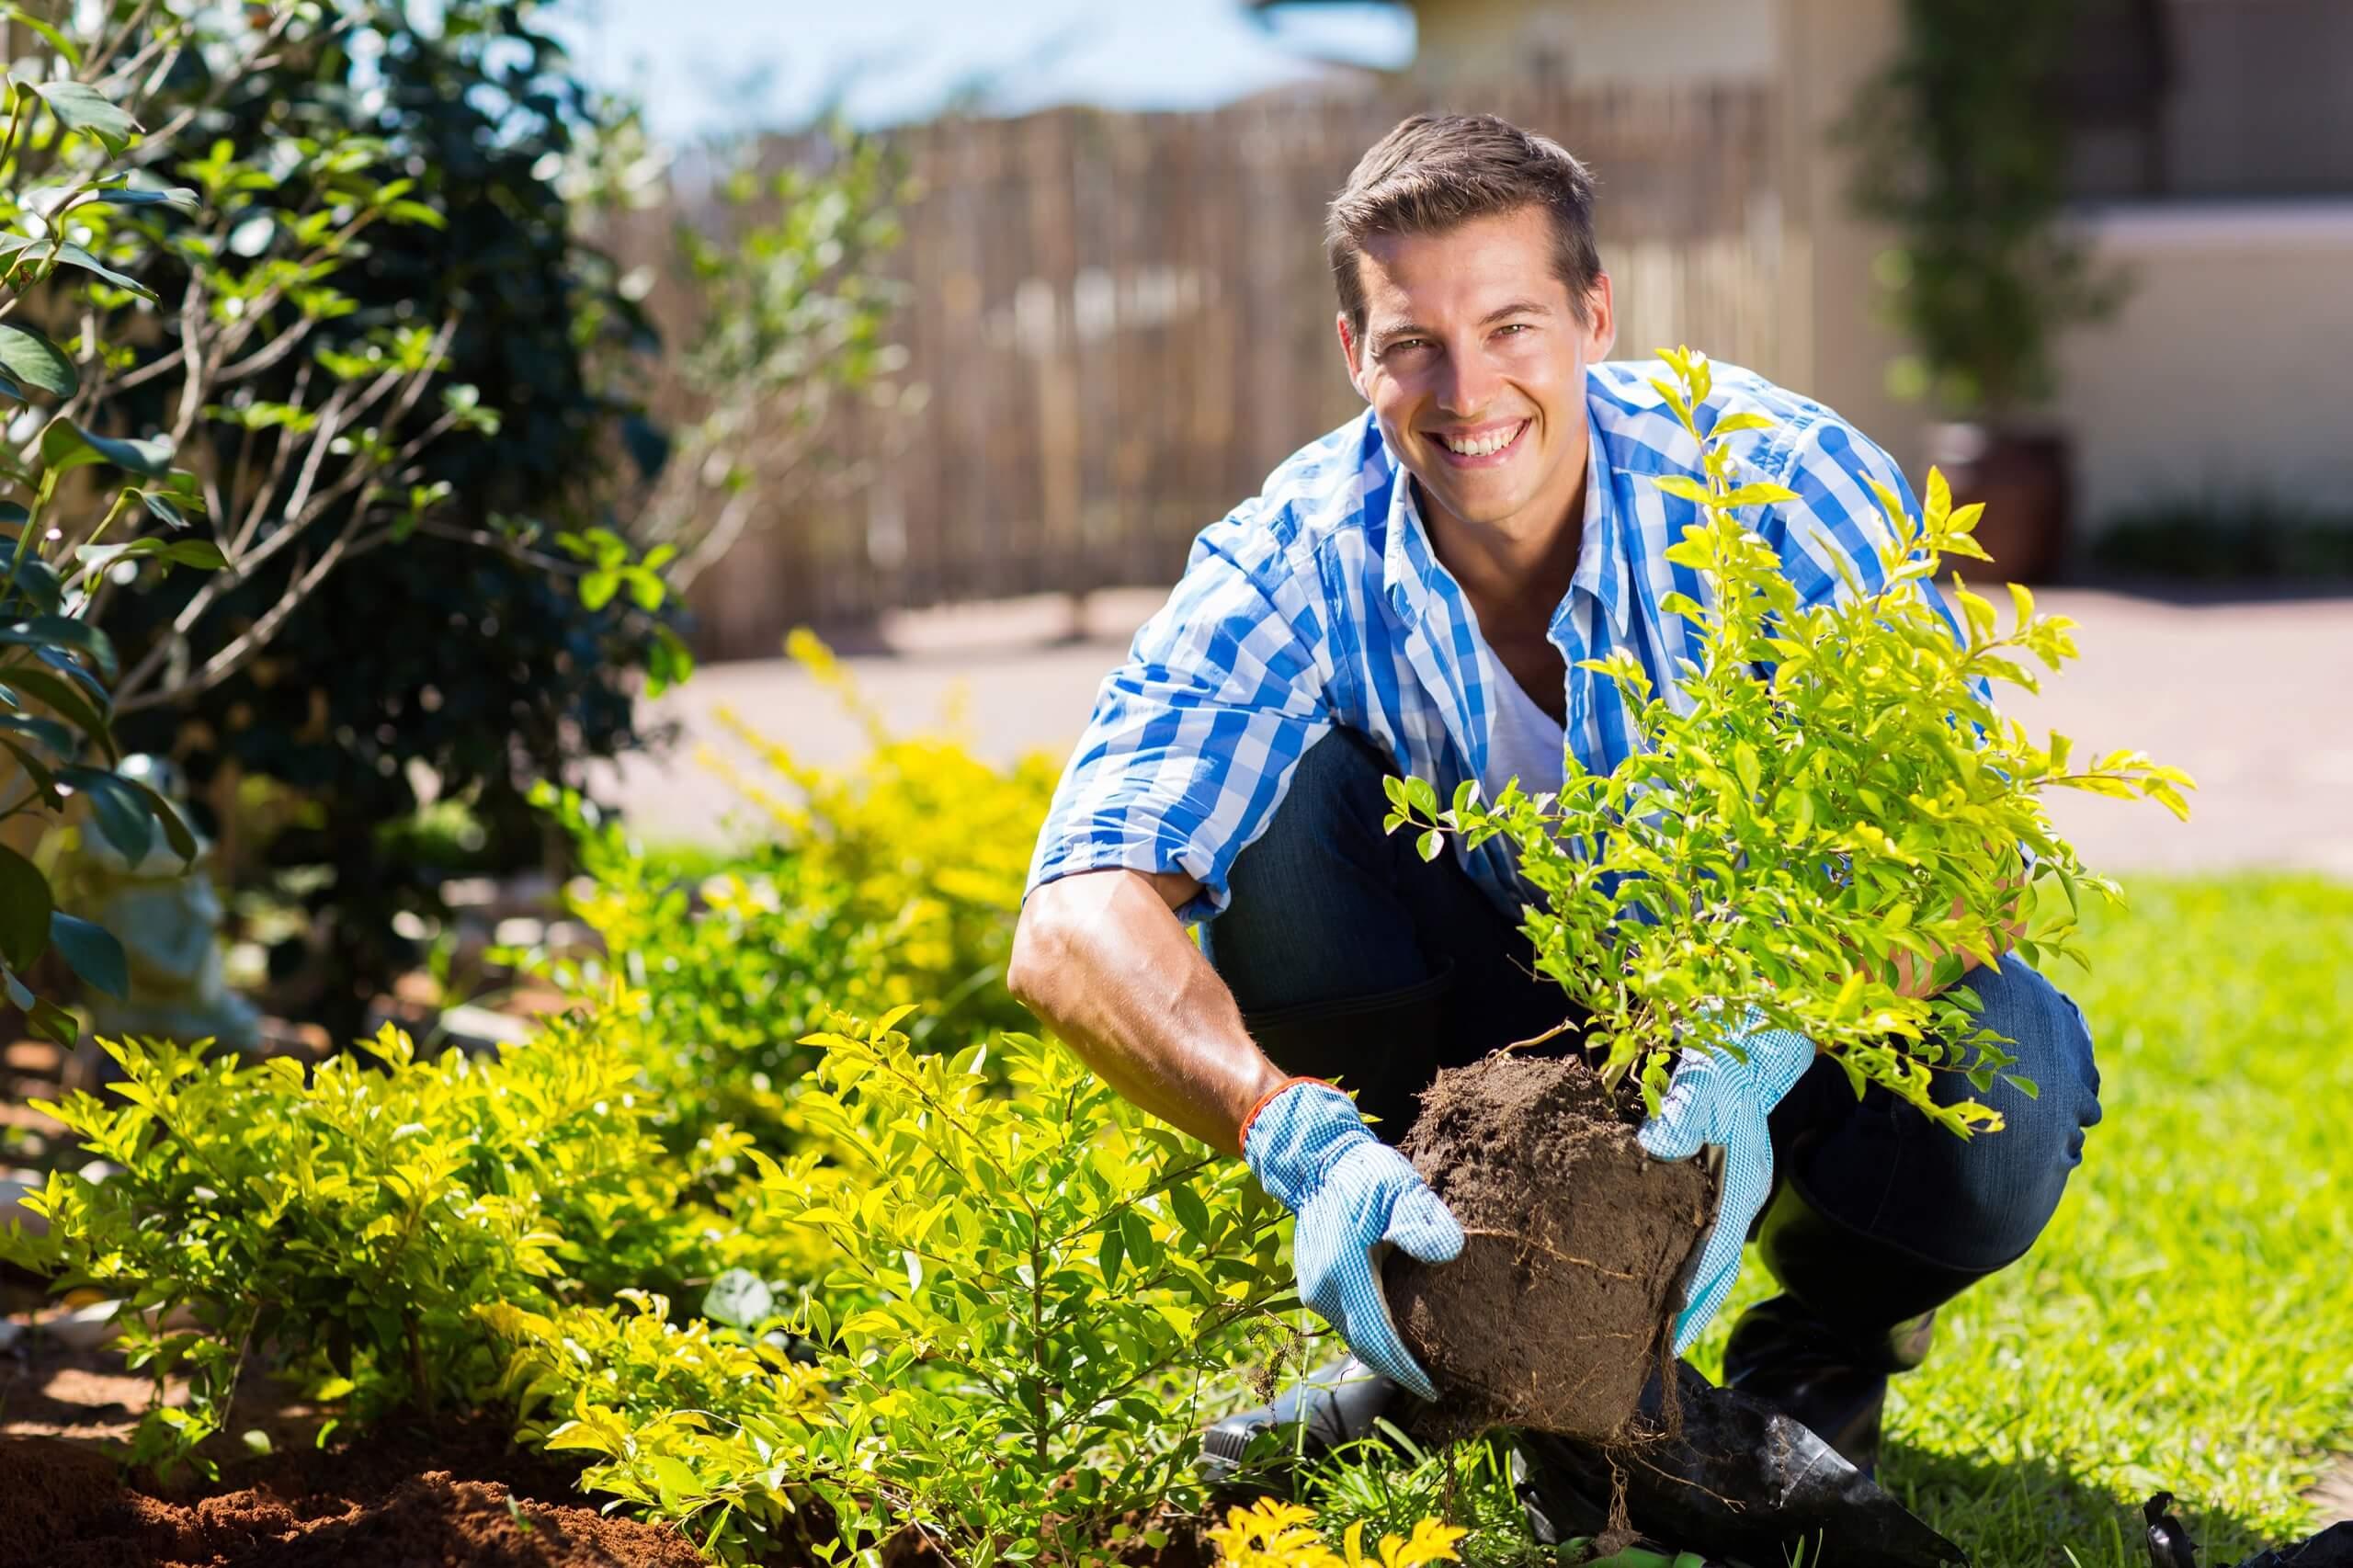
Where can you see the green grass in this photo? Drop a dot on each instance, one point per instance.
(2186, 1321)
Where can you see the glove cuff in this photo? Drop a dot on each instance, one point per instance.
(1292, 1134)
(1263, 1101)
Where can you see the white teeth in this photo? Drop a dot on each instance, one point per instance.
(1486, 444)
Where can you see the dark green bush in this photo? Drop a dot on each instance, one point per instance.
(2247, 538)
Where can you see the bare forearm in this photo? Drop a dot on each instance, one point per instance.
(1102, 960)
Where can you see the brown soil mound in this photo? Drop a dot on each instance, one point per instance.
(61, 1507)
(1575, 1240)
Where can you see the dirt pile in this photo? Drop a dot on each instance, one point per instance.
(1576, 1241)
(63, 1506)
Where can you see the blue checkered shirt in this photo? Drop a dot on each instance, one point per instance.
(1319, 602)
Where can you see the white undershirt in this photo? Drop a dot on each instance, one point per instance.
(1523, 741)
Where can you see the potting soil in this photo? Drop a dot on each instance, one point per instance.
(1575, 1245)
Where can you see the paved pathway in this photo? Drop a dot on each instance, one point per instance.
(2253, 698)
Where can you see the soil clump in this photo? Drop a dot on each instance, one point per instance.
(374, 1504)
(1576, 1243)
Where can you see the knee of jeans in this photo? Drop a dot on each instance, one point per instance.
(2000, 1189)
(2048, 1034)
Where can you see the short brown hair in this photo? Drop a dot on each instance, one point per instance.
(1436, 171)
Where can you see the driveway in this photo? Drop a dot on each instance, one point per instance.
(2253, 698)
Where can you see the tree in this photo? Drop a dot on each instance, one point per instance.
(372, 333)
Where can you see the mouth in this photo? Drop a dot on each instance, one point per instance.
(1489, 447)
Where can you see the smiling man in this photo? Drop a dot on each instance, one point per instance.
(1414, 594)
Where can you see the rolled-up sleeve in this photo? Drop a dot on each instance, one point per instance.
(1194, 738)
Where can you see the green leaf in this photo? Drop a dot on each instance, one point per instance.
(122, 814)
(1760, 494)
(44, 779)
(56, 736)
(34, 360)
(62, 631)
(52, 1022)
(1936, 504)
(1746, 764)
(739, 1299)
(92, 952)
(1143, 1249)
(597, 589)
(176, 833)
(57, 39)
(673, 1478)
(68, 700)
(17, 247)
(82, 108)
(1110, 1255)
(1191, 1212)
(201, 553)
(175, 196)
(65, 445)
(25, 909)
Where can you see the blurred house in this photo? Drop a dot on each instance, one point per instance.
(2214, 158)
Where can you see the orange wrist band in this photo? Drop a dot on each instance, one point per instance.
(1268, 1098)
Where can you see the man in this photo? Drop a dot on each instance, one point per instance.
(1412, 594)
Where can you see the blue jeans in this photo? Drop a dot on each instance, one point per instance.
(1352, 958)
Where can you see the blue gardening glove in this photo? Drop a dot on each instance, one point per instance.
(1717, 1100)
(1353, 1194)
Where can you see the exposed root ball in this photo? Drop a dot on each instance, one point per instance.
(1576, 1241)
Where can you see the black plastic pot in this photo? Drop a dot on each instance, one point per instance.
(2025, 478)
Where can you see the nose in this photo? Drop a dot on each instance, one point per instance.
(1468, 385)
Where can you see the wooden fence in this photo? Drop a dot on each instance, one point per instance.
(1123, 321)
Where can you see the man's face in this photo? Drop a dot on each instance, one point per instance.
(1475, 363)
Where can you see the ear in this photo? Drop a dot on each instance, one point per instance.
(1348, 355)
(1601, 320)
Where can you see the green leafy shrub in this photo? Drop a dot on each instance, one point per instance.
(1025, 1293)
(387, 198)
(887, 884)
(77, 190)
(346, 1225)
(1781, 849)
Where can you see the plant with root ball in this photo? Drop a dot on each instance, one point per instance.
(1824, 800)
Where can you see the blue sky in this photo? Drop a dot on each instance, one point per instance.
(710, 65)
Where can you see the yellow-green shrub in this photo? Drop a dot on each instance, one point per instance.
(350, 1219)
(890, 883)
(1029, 1291)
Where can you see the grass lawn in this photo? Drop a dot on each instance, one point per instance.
(2187, 1321)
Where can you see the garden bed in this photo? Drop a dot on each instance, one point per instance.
(459, 1496)
(463, 1494)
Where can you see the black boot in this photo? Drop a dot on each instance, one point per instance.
(1335, 1404)
(1852, 1311)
